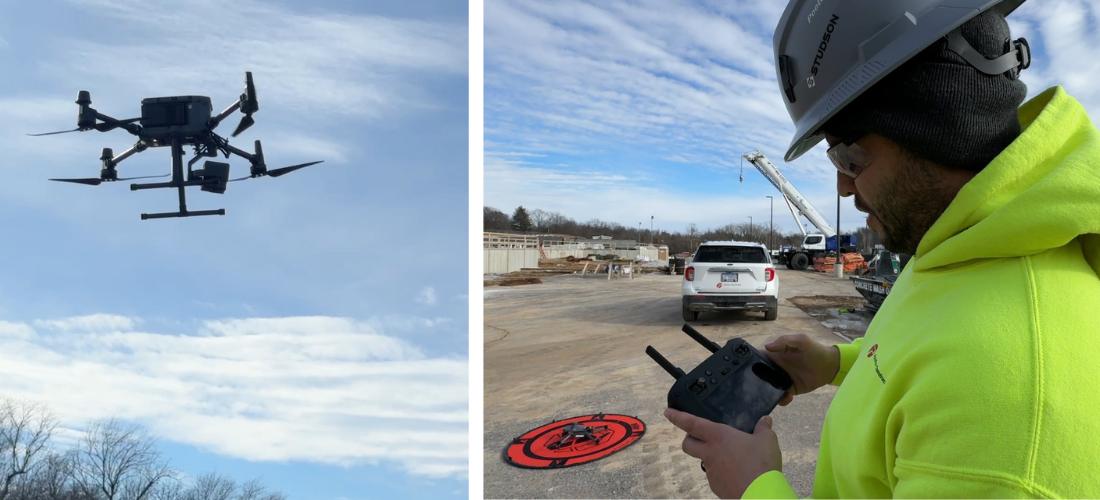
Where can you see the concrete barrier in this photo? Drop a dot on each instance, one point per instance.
(506, 260)
(582, 251)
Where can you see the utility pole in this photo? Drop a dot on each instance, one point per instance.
(771, 213)
(750, 228)
(651, 230)
(639, 232)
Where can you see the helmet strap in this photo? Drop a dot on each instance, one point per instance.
(1017, 59)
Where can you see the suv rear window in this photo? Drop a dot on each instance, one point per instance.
(719, 253)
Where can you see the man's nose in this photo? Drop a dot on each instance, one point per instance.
(845, 186)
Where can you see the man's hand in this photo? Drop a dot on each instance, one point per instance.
(810, 364)
(732, 459)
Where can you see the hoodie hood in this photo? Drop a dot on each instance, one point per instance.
(1040, 193)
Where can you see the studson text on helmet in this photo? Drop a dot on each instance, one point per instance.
(828, 35)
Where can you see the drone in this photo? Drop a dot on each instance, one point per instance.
(178, 121)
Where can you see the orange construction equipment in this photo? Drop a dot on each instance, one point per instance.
(851, 261)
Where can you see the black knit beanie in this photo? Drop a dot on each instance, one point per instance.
(939, 107)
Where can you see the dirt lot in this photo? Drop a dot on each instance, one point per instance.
(572, 346)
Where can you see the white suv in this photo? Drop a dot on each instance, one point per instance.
(730, 275)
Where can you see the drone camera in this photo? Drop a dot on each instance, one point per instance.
(215, 176)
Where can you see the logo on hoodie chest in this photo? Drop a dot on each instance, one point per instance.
(873, 354)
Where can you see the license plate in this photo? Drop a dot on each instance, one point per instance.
(729, 277)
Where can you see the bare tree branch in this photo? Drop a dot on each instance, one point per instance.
(25, 430)
(113, 461)
(212, 486)
(118, 461)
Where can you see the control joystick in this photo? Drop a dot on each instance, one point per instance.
(736, 385)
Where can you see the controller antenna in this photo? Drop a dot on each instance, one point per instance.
(698, 337)
(672, 369)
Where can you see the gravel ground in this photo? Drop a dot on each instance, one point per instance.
(573, 346)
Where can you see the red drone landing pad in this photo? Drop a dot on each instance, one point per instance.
(573, 441)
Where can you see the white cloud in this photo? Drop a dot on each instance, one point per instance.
(427, 296)
(691, 85)
(405, 323)
(25, 109)
(679, 79)
(12, 330)
(319, 389)
(325, 79)
(312, 62)
(1062, 34)
(687, 84)
(89, 323)
(302, 145)
(618, 198)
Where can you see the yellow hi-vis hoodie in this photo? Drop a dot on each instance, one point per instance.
(980, 374)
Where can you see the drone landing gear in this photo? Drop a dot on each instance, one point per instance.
(182, 213)
(577, 434)
(179, 183)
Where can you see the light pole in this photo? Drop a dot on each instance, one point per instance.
(771, 212)
(839, 260)
(639, 232)
(750, 228)
(651, 230)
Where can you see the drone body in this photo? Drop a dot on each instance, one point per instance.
(176, 122)
(184, 117)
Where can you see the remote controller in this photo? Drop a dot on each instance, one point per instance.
(736, 385)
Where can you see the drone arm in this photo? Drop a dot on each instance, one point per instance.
(221, 116)
(111, 123)
(136, 148)
(240, 152)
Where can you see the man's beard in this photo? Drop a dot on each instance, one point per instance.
(909, 205)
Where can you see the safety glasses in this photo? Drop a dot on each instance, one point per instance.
(849, 158)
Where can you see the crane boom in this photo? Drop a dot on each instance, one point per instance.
(790, 193)
(794, 215)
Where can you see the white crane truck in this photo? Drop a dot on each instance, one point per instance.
(813, 244)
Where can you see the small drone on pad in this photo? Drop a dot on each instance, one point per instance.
(177, 122)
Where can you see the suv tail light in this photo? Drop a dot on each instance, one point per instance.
(769, 274)
(689, 273)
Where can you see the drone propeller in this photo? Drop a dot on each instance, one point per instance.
(58, 132)
(91, 181)
(278, 171)
(249, 104)
(102, 127)
(286, 170)
(246, 121)
(95, 181)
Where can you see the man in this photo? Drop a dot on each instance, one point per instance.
(980, 374)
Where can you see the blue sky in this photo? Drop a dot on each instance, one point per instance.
(622, 110)
(315, 336)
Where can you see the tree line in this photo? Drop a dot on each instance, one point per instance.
(110, 461)
(540, 221)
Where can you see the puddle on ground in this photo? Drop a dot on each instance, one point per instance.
(844, 315)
